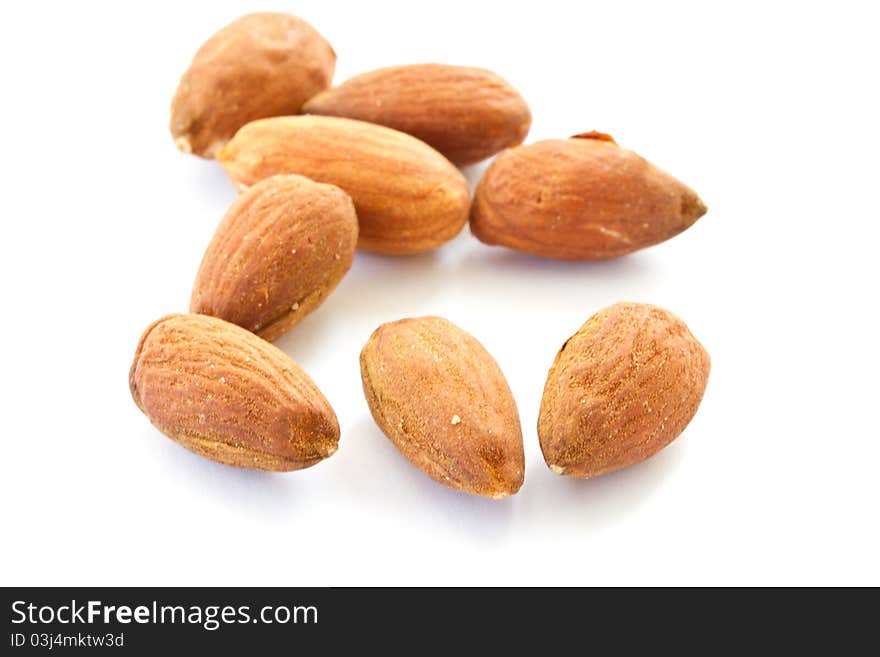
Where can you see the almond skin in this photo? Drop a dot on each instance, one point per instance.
(443, 401)
(468, 114)
(583, 198)
(222, 392)
(408, 197)
(281, 249)
(263, 64)
(621, 389)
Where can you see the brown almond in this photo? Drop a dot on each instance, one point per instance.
(583, 198)
(621, 389)
(408, 197)
(281, 249)
(466, 113)
(443, 401)
(263, 64)
(222, 392)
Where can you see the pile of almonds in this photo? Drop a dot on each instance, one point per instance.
(372, 164)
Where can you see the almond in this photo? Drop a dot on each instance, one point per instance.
(443, 401)
(468, 114)
(222, 392)
(621, 389)
(282, 247)
(408, 197)
(264, 64)
(583, 198)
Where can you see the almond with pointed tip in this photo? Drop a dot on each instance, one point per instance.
(620, 390)
(223, 393)
(262, 64)
(443, 401)
(408, 197)
(466, 113)
(583, 198)
(281, 249)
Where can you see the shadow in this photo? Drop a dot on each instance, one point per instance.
(258, 492)
(376, 290)
(495, 259)
(202, 194)
(473, 172)
(515, 282)
(208, 180)
(380, 289)
(587, 505)
(380, 284)
(384, 483)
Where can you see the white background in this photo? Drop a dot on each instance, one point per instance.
(769, 110)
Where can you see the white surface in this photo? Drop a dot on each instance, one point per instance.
(769, 110)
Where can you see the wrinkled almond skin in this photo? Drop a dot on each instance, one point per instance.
(468, 114)
(263, 64)
(444, 402)
(408, 197)
(583, 198)
(281, 249)
(222, 392)
(621, 389)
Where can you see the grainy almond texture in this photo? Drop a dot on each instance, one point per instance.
(222, 392)
(468, 114)
(263, 64)
(444, 402)
(621, 389)
(408, 197)
(583, 198)
(282, 247)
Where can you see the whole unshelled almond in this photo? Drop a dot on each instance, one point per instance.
(468, 114)
(621, 389)
(222, 392)
(583, 198)
(263, 64)
(408, 197)
(281, 249)
(443, 401)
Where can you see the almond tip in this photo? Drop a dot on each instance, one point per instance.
(183, 144)
(593, 134)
